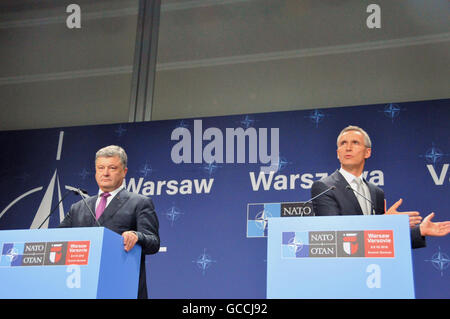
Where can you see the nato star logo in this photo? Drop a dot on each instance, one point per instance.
(433, 155)
(120, 131)
(210, 168)
(84, 173)
(316, 116)
(282, 163)
(12, 254)
(203, 262)
(261, 219)
(257, 218)
(295, 245)
(440, 261)
(182, 124)
(247, 122)
(172, 214)
(146, 170)
(392, 111)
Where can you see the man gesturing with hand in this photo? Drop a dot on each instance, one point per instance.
(354, 195)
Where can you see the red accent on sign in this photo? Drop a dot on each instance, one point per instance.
(349, 238)
(379, 243)
(77, 252)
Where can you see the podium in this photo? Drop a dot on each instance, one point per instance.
(337, 257)
(63, 263)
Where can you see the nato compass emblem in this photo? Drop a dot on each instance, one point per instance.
(316, 116)
(433, 155)
(204, 261)
(282, 163)
(182, 124)
(210, 168)
(84, 174)
(392, 111)
(258, 215)
(120, 131)
(261, 219)
(172, 214)
(295, 244)
(440, 261)
(257, 221)
(146, 170)
(247, 122)
(11, 254)
(46, 203)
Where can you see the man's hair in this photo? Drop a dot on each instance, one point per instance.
(367, 141)
(111, 151)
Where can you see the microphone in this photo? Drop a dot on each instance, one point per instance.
(81, 192)
(318, 195)
(56, 206)
(371, 203)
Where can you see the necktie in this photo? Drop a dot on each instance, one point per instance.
(101, 206)
(361, 200)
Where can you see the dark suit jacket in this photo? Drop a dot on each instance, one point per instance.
(342, 201)
(126, 211)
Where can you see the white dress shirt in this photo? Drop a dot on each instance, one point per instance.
(109, 198)
(351, 179)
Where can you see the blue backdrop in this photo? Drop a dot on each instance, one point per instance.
(202, 207)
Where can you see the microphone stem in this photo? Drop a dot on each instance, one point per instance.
(90, 210)
(318, 195)
(371, 203)
(54, 209)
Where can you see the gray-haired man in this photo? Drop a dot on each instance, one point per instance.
(131, 215)
(353, 149)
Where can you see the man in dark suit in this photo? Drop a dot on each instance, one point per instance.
(354, 195)
(128, 214)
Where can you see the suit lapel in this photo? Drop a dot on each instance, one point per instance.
(87, 216)
(373, 195)
(348, 194)
(91, 204)
(114, 206)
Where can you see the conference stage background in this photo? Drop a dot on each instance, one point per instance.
(202, 207)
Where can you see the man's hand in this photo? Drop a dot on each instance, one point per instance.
(428, 228)
(414, 218)
(129, 240)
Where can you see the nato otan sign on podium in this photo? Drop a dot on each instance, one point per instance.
(339, 257)
(85, 263)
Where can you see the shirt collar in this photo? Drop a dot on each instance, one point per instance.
(349, 177)
(113, 193)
